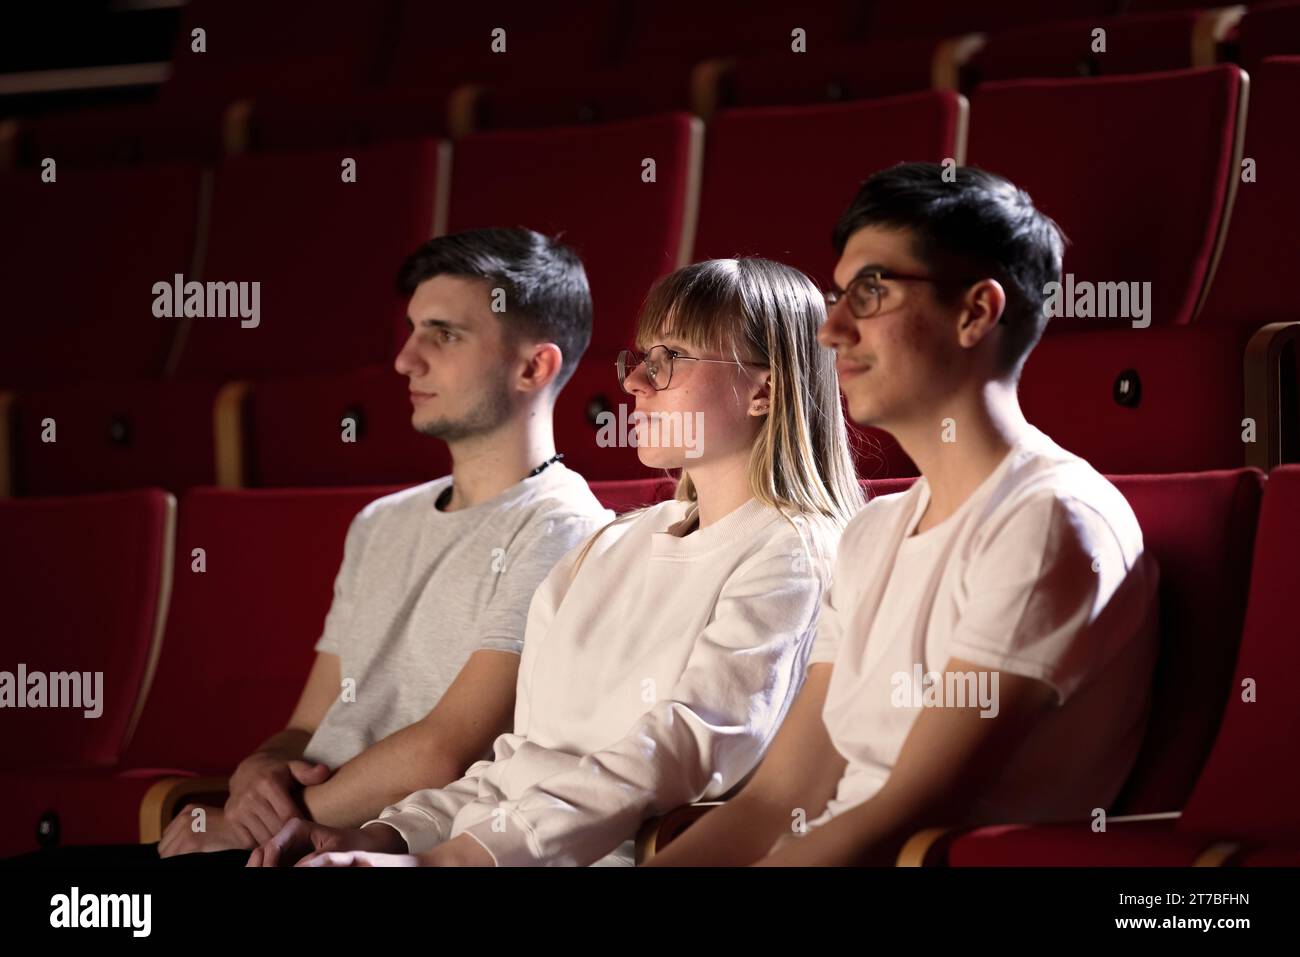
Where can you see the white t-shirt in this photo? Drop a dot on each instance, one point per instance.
(658, 676)
(420, 590)
(1041, 572)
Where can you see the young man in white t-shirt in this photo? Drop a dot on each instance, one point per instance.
(985, 651)
(430, 603)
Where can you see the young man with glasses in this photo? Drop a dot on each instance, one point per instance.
(985, 651)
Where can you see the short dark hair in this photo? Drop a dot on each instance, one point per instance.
(546, 290)
(980, 225)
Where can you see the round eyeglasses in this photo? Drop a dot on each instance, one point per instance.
(659, 365)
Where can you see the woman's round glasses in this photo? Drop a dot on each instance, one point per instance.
(659, 365)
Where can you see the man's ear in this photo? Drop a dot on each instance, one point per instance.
(542, 364)
(982, 308)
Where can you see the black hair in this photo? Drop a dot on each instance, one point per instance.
(977, 226)
(546, 292)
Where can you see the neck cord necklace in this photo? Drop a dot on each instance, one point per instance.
(545, 465)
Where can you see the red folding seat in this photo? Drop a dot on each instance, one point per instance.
(1135, 43)
(114, 551)
(237, 651)
(661, 66)
(115, 435)
(1250, 294)
(325, 254)
(293, 432)
(899, 17)
(77, 281)
(1163, 398)
(440, 60)
(1243, 797)
(588, 185)
(593, 423)
(879, 65)
(1094, 155)
(325, 251)
(767, 152)
(297, 47)
(627, 494)
(1268, 29)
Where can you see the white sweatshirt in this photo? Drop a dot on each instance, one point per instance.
(657, 677)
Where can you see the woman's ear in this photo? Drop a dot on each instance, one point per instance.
(761, 403)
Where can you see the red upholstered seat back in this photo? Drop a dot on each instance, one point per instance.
(1248, 287)
(1141, 400)
(77, 283)
(296, 434)
(1200, 528)
(773, 189)
(627, 494)
(325, 251)
(1138, 185)
(240, 635)
(571, 181)
(84, 589)
(1250, 786)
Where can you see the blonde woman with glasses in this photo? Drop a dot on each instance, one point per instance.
(661, 656)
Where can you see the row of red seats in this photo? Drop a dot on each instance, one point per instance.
(1144, 189)
(200, 666)
(295, 78)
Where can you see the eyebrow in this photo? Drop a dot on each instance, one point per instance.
(439, 324)
(862, 271)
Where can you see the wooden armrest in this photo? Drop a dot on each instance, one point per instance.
(928, 848)
(1263, 374)
(658, 832)
(166, 796)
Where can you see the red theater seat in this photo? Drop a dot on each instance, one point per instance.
(237, 651)
(325, 251)
(623, 496)
(1139, 186)
(296, 47)
(771, 190)
(293, 433)
(116, 435)
(78, 269)
(85, 590)
(593, 422)
(587, 184)
(1246, 793)
(1135, 43)
(1158, 398)
(325, 254)
(1268, 29)
(1246, 292)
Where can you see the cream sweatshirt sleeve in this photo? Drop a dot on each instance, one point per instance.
(694, 744)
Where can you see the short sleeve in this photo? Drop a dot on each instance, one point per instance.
(1051, 595)
(526, 563)
(339, 617)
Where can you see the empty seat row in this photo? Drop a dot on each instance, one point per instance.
(251, 575)
(1204, 379)
(422, 70)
